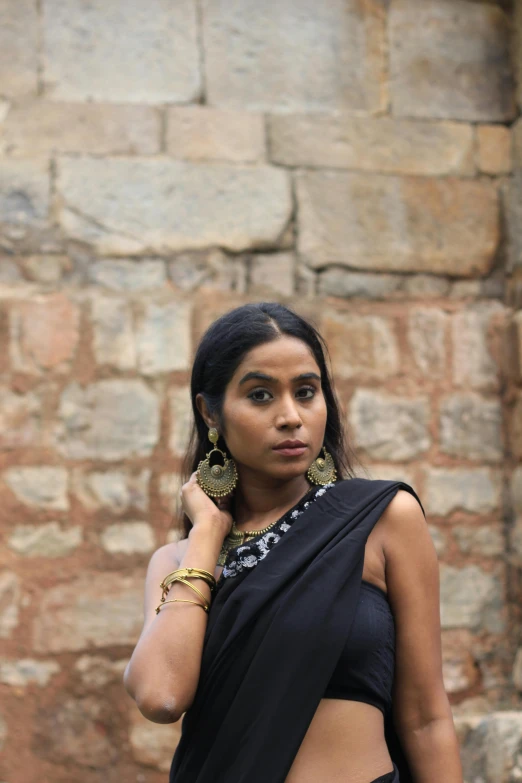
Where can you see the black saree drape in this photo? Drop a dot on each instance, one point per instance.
(272, 642)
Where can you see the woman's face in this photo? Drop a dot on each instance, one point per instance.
(275, 395)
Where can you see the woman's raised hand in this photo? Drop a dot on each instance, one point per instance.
(202, 510)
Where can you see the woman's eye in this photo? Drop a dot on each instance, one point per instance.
(253, 395)
(308, 389)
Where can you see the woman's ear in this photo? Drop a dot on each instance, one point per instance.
(203, 409)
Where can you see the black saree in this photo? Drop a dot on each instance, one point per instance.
(272, 642)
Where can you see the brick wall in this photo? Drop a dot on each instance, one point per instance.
(160, 163)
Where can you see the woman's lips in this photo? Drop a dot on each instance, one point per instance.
(292, 452)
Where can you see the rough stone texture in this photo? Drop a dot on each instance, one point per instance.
(169, 487)
(45, 268)
(439, 538)
(516, 490)
(24, 198)
(209, 269)
(459, 671)
(87, 612)
(125, 206)
(113, 336)
(380, 144)
(163, 336)
(109, 420)
(39, 486)
(46, 540)
(32, 129)
(129, 276)
(361, 346)
(494, 149)
(517, 670)
(513, 201)
(389, 427)
(26, 671)
(9, 603)
(278, 55)
(44, 333)
(517, 50)
(18, 47)
(96, 672)
(471, 598)
(474, 364)
(471, 427)
(449, 59)
(203, 133)
(113, 490)
(397, 223)
(153, 745)
(20, 419)
(515, 426)
(133, 54)
(181, 418)
(427, 340)
(482, 540)
(273, 273)
(476, 490)
(342, 283)
(490, 747)
(127, 538)
(427, 286)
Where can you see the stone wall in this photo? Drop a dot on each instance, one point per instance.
(160, 163)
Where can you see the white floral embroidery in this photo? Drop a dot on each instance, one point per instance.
(248, 555)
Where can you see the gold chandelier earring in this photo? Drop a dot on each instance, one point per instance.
(216, 480)
(322, 471)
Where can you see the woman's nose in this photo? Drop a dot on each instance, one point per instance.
(289, 415)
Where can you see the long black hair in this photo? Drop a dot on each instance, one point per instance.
(220, 351)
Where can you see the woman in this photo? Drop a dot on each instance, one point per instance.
(317, 655)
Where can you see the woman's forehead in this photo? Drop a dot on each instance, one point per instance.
(285, 353)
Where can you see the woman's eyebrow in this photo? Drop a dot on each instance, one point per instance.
(264, 377)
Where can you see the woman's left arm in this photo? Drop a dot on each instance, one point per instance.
(421, 710)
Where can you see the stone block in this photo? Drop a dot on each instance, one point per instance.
(475, 490)
(153, 745)
(279, 55)
(138, 206)
(181, 419)
(39, 486)
(450, 59)
(20, 419)
(471, 427)
(204, 133)
(402, 224)
(10, 595)
(377, 144)
(47, 269)
(389, 427)
(514, 428)
(426, 286)
(110, 420)
(458, 665)
(40, 128)
(345, 284)
(24, 200)
(513, 217)
(163, 340)
(19, 47)
(272, 273)
(128, 538)
(90, 613)
(494, 149)
(209, 269)
(121, 53)
(115, 491)
(45, 540)
(27, 671)
(471, 598)
(112, 332)
(44, 333)
(516, 490)
(485, 540)
(427, 340)
(96, 672)
(490, 748)
(475, 361)
(363, 346)
(129, 276)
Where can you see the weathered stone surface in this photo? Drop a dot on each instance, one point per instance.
(486, 540)
(153, 744)
(515, 426)
(43, 127)
(516, 490)
(494, 149)
(120, 275)
(471, 598)
(474, 363)
(169, 487)
(45, 540)
(128, 205)
(458, 666)
(163, 336)
(490, 749)
(371, 222)
(10, 271)
(127, 538)
(380, 144)
(471, 427)
(113, 490)
(306, 57)
(181, 419)
(273, 273)
(24, 197)
(368, 285)
(513, 202)
(361, 345)
(439, 538)
(477, 490)
(204, 133)
(517, 670)
(209, 269)
(46, 268)
(9, 603)
(26, 671)
(427, 340)
(20, 419)
(390, 427)
(110, 420)
(122, 53)
(18, 47)
(113, 336)
(450, 60)
(87, 612)
(44, 333)
(517, 49)
(95, 671)
(75, 730)
(39, 486)
(426, 286)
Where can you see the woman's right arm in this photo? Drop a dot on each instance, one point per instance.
(163, 672)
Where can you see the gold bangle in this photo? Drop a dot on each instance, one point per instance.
(192, 587)
(183, 601)
(194, 573)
